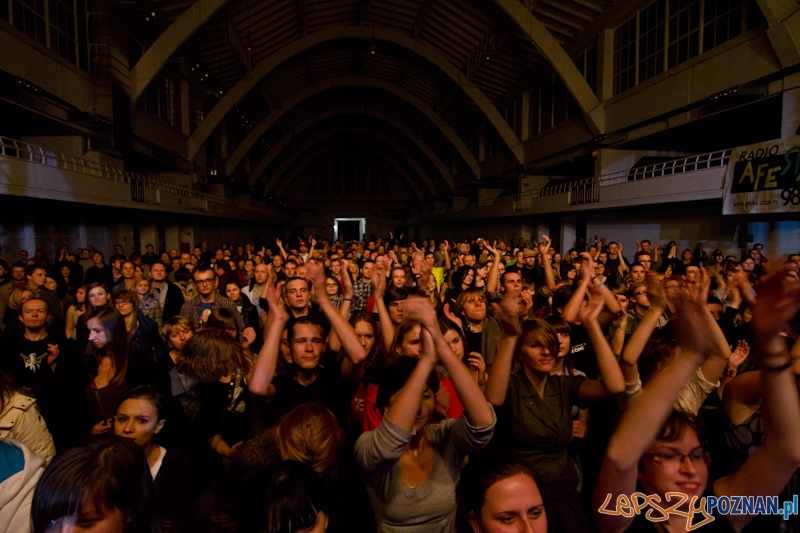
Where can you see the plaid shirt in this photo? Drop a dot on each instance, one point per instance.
(191, 310)
(362, 290)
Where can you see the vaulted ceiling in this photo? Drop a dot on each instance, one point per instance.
(417, 76)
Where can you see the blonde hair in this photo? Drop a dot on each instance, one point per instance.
(176, 323)
(310, 433)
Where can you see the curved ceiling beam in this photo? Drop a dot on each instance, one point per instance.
(430, 53)
(405, 130)
(154, 59)
(381, 153)
(584, 96)
(362, 81)
(309, 143)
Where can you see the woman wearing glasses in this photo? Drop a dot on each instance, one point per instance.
(656, 451)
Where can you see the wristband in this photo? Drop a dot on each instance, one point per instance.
(731, 373)
(347, 299)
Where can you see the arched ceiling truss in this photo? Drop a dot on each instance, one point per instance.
(584, 96)
(380, 151)
(306, 144)
(157, 55)
(429, 53)
(262, 165)
(363, 81)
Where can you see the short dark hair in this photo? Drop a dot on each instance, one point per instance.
(203, 267)
(302, 320)
(395, 377)
(30, 269)
(287, 497)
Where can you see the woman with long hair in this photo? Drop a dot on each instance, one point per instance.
(75, 311)
(102, 484)
(107, 364)
(97, 297)
(145, 346)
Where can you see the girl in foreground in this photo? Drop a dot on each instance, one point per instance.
(663, 451)
(411, 467)
(498, 493)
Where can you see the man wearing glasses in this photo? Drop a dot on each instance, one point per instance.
(198, 309)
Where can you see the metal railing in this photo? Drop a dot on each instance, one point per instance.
(666, 168)
(587, 191)
(144, 189)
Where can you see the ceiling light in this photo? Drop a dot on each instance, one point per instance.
(373, 48)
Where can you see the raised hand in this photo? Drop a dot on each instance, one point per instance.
(279, 242)
(526, 302)
(739, 355)
(277, 310)
(418, 308)
(379, 280)
(544, 245)
(248, 337)
(587, 266)
(507, 312)
(452, 316)
(638, 245)
(477, 366)
(656, 292)
(591, 311)
(316, 275)
(778, 302)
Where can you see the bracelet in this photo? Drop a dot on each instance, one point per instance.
(347, 299)
(777, 368)
(731, 373)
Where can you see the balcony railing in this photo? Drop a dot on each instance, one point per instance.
(144, 189)
(587, 191)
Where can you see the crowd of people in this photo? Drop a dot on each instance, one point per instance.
(396, 386)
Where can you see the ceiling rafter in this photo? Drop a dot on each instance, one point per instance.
(362, 11)
(232, 39)
(488, 47)
(267, 98)
(301, 15)
(310, 68)
(401, 72)
(423, 15)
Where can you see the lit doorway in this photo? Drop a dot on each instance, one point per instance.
(349, 229)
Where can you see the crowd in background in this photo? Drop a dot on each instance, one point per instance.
(395, 386)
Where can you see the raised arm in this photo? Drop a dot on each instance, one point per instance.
(494, 272)
(475, 407)
(643, 420)
(352, 367)
(446, 256)
(770, 467)
(507, 312)
(405, 405)
(549, 279)
(264, 371)
(612, 381)
(280, 248)
(570, 312)
(633, 350)
(347, 292)
(385, 321)
(717, 361)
